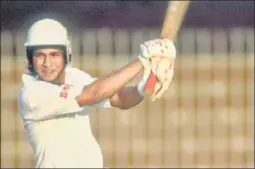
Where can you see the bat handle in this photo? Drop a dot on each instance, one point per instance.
(150, 84)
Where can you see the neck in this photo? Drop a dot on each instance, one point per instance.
(60, 79)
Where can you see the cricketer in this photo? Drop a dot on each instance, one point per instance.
(54, 98)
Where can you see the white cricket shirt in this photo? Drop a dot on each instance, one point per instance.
(58, 129)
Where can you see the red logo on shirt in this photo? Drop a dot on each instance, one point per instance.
(64, 92)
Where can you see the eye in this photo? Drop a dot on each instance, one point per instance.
(38, 55)
(56, 54)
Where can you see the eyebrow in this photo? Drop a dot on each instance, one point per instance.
(54, 52)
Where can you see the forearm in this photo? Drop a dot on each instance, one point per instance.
(107, 86)
(126, 98)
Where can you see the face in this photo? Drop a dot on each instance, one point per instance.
(49, 64)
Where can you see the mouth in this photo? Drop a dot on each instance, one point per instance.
(48, 71)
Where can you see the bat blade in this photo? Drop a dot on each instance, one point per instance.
(174, 16)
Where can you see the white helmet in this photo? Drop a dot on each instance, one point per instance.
(48, 32)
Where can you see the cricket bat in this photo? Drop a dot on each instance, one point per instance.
(174, 16)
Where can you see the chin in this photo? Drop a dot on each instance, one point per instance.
(49, 78)
(53, 77)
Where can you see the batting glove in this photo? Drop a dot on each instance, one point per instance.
(158, 56)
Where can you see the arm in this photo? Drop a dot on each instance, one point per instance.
(42, 100)
(126, 98)
(130, 96)
(109, 85)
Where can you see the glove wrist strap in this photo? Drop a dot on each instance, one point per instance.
(140, 87)
(142, 83)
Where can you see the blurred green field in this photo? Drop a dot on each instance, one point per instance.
(205, 119)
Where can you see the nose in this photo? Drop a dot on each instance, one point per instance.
(46, 61)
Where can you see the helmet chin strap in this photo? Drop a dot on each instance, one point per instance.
(68, 52)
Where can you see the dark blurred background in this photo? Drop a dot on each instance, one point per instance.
(126, 14)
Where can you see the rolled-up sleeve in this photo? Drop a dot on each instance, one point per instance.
(47, 101)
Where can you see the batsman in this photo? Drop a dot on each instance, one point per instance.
(55, 97)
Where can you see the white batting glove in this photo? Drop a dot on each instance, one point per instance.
(165, 78)
(158, 56)
(146, 74)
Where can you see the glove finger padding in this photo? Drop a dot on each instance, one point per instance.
(157, 47)
(168, 77)
(157, 56)
(160, 66)
(157, 89)
(161, 91)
